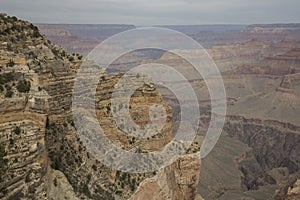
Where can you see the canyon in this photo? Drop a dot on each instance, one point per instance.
(41, 151)
(43, 157)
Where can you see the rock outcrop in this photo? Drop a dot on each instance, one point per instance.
(41, 151)
(294, 191)
(175, 182)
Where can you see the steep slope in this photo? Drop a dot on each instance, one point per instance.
(41, 154)
(23, 109)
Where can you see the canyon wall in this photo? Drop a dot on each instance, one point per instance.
(42, 156)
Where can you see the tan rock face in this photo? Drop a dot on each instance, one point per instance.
(198, 197)
(88, 177)
(294, 192)
(175, 182)
(139, 105)
(35, 88)
(254, 68)
(58, 187)
(22, 125)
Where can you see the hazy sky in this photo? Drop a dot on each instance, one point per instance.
(154, 12)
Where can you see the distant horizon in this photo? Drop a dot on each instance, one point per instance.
(163, 25)
(155, 12)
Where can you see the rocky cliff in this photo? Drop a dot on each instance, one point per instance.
(41, 155)
(178, 181)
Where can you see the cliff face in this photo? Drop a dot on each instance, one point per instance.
(24, 107)
(175, 182)
(254, 158)
(41, 154)
(258, 156)
(275, 144)
(275, 147)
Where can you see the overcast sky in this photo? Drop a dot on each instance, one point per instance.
(154, 12)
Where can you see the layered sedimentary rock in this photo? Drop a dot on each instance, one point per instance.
(177, 181)
(22, 119)
(41, 152)
(254, 158)
(42, 156)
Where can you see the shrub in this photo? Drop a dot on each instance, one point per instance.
(17, 130)
(9, 77)
(71, 59)
(10, 63)
(9, 93)
(55, 182)
(6, 77)
(27, 178)
(73, 124)
(94, 167)
(9, 47)
(32, 190)
(56, 164)
(55, 51)
(36, 34)
(3, 191)
(89, 176)
(23, 86)
(11, 141)
(85, 190)
(14, 18)
(65, 124)
(3, 161)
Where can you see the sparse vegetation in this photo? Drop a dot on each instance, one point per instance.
(9, 93)
(17, 130)
(23, 86)
(27, 178)
(55, 51)
(36, 33)
(6, 78)
(56, 164)
(11, 141)
(3, 161)
(65, 124)
(10, 63)
(71, 58)
(55, 182)
(84, 189)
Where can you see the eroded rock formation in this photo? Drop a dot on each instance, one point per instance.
(41, 152)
